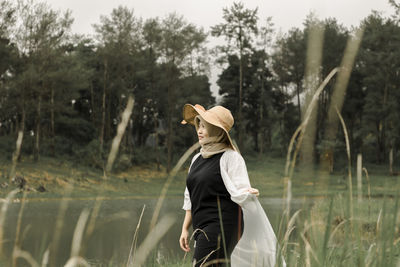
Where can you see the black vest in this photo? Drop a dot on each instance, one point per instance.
(208, 193)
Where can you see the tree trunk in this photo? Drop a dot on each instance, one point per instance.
(240, 115)
(384, 123)
(92, 114)
(17, 153)
(171, 105)
(169, 132)
(359, 176)
(52, 122)
(298, 99)
(37, 134)
(391, 161)
(255, 137)
(103, 108)
(261, 143)
(156, 140)
(140, 125)
(109, 121)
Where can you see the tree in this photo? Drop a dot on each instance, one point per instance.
(239, 30)
(178, 39)
(40, 37)
(119, 37)
(257, 99)
(289, 62)
(379, 64)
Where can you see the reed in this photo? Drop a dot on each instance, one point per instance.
(120, 132)
(350, 182)
(3, 213)
(58, 226)
(26, 256)
(92, 221)
(191, 238)
(134, 240)
(169, 180)
(17, 235)
(369, 189)
(78, 233)
(152, 239)
(77, 261)
(300, 131)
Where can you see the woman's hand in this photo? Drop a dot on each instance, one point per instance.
(184, 240)
(253, 191)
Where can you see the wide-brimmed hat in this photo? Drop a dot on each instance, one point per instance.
(217, 116)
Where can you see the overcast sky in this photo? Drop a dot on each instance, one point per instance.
(285, 13)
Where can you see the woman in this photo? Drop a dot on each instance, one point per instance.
(217, 191)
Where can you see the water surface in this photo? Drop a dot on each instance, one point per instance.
(114, 227)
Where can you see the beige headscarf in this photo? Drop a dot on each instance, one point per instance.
(217, 141)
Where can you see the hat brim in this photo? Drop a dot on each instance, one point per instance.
(190, 112)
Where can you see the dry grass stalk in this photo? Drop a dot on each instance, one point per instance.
(309, 250)
(221, 224)
(191, 237)
(291, 160)
(134, 240)
(120, 132)
(17, 253)
(312, 79)
(369, 190)
(45, 259)
(359, 178)
(17, 241)
(289, 230)
(3, 213)
(59, 225)
(16, 155)
(76, 261)
(78, 233)
(346, 136)
(93, 216)
(169, 181)
(307, 116)
(336, 229)
(370, 255)
(198, 230)
(214, 262)
(379, 221)
(339, 90)
(152, 239)
(204, 260)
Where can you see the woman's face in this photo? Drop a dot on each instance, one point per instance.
(202, 132)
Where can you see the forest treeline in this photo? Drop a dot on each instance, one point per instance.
(65, 92)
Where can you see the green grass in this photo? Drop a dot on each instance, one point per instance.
(323, 235)
(266, 174)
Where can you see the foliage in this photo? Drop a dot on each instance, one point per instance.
(66, 91)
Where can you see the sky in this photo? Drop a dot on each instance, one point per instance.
(206, 13)
(285, 13)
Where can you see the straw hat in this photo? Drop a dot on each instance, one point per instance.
(217, 116)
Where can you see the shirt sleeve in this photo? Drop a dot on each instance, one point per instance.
(187, 204)
(235, 176)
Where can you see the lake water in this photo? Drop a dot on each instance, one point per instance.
(114, 227)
